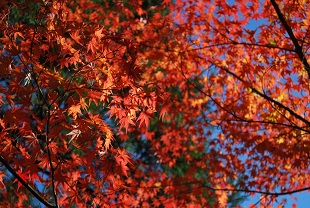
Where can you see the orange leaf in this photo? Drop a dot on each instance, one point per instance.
(144, 117)
(74, 110)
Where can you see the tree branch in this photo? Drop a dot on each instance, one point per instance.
(25, 184)
(236, 189)
(268, 98)
(298, 48)
(259, 192)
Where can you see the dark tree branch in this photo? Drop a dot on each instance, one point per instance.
(25, 184)
(267, 193)
(298, 48)
(259, 192)
(226, 44)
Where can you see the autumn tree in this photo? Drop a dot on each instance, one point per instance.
(136, 103)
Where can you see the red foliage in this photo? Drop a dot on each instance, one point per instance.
(215, 94)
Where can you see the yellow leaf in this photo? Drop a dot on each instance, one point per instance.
(287, 166)
(222, 199)
(74, 110)
(158, 184)
(280, 140)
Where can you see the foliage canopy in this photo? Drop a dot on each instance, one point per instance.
(153, 103)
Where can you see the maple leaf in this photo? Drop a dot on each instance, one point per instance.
(156, 203)
(144, 117)
(2, 123)
(92, 45)
(140, 11)
(2, 185)
(10, 98)
(122, 160)
(124, 168)
(75, 133)
(44, 163)
(5, 40)
(149, 135)
(76, 37)
(31, 139)
(83, 104)
(75, 58)
(122, 153)
(164, 110)
(23, 175)
(75, 175)
(223, 199)
(74, 110)
(124, 123)
(98, 33)
(64, 62)
(107, 143)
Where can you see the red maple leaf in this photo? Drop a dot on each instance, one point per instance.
(144, 117)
